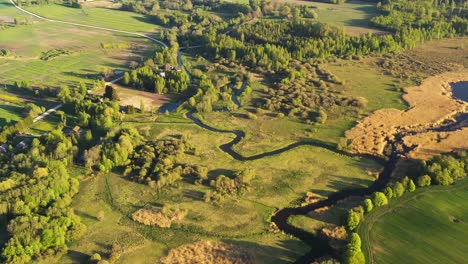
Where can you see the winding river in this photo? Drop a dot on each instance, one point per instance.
(319, 246)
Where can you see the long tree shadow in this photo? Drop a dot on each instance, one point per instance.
(264, 253)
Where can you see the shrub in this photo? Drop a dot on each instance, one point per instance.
(423, 181)
(411, 186)
(95, 258)
(398, 189)
(368, 205)
(379, 199)
(353, 253)
(354, 218)
(388, 192)
(251, 116)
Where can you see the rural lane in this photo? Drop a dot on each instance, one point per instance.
(46, 113)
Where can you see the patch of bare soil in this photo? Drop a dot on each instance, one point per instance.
(158, 217)
(208, 252)
(7, 19)
(102, 4)
(136, 97)
(430, 104)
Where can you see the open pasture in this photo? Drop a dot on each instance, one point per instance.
(85, 59)
(98, 16)
(429, 225)
(354, 16)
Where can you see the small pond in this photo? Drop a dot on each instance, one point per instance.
(460, 90)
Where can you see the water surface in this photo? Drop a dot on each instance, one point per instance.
(460, 90)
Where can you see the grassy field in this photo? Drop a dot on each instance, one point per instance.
(354, 16)
(10, 106)
(129, 96)
(85, 61)
(242, 220)
(97, 16)
(427, 226)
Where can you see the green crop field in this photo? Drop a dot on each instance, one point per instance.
(96, 16)
(427, 226)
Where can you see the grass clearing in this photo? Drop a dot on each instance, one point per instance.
(429, 225)
(97, 16)
(268, 132)
(354, 16)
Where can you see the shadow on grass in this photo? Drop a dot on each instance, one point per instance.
(280, 253)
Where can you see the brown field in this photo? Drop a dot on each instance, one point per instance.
(430, 104)
(135, 97)
(208, 252)
(435, 143)
(103, 4)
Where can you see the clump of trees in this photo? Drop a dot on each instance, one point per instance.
(159, 74)
(428, 19)
(114, 151)
(445, 170)
(304, 92)
(236, 185)
(158, 164)
(37, 191)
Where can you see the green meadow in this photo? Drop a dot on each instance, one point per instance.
(427, 226)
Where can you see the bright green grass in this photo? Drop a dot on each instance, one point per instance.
(10, 107)
(104, 17)
(427, 226)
